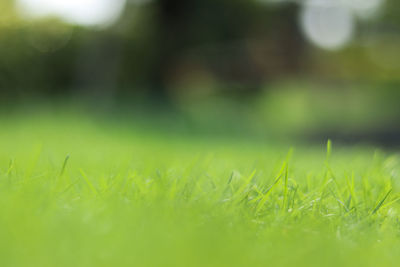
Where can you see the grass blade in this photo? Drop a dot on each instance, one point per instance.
(382, 201)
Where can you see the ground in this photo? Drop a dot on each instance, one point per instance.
(80, 191)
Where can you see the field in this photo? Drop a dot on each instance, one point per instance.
(82, 191)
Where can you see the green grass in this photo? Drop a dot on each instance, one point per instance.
(80, 192)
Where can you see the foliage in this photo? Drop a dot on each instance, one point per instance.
(75, 191)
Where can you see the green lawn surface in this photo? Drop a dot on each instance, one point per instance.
(79, 191)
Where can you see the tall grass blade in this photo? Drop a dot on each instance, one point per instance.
(382, 201)
(64, 165)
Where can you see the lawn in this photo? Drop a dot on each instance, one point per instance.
(82, 191)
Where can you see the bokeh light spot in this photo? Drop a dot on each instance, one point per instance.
(81, 12)
(327, 26)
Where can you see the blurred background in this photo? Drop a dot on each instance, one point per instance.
(307, 69)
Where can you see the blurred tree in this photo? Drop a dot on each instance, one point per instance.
(239, 42)
(157, 46)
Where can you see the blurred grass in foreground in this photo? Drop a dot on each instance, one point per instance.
(79, 192)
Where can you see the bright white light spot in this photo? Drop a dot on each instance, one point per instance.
(82, 12)
(328, 26)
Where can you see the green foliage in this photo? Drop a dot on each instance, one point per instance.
(79, 192)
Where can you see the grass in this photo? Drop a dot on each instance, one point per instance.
(80, 192)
